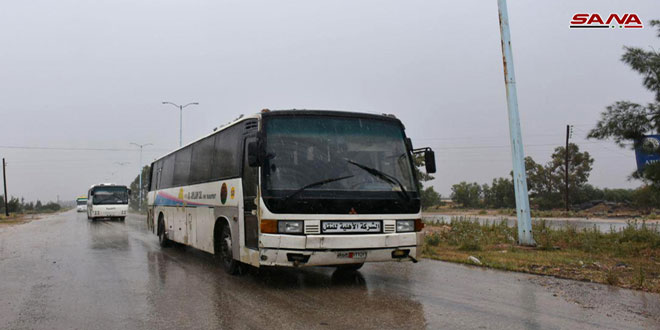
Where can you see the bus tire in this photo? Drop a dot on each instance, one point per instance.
(162, 233)
(350, 267)
(122, 218)
(222, 248)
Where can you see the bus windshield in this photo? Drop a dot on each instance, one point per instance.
(82, 202)
(336, 153)
(110, 195)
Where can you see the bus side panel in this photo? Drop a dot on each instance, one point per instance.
(205, 221)
(152, 216)
(191, 211)
(178, 224)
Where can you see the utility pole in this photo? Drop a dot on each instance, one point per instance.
(4, 179)
(517, 152)
(140, 165)
(566, 156)
(181, 107)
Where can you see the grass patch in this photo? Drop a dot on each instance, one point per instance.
(628, 258)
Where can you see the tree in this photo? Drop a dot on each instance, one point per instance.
(547, 183)
(626, 121)
(542, 185)
(467, 194)
(428, 196)
(14, 205)
(646, 198)
(135, 189)
(579, 168)
(500, 194)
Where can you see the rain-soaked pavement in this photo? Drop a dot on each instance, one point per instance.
(65, 272)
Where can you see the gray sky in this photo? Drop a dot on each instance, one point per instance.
(94, 73)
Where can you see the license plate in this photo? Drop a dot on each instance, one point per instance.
(352, 255)
(351, 226)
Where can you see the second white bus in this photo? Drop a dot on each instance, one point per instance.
(107, 200)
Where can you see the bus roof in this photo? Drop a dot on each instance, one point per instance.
(289, 112)
(107, 185)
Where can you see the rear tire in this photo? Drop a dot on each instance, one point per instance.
(162, 233)
(223, 249)
(122, 218)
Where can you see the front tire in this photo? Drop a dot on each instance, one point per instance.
(162, 233)
(223, 249)
(350, 267)
(122, 219)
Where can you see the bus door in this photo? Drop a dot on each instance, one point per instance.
(250, 182)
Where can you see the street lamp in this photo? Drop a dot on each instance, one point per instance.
(140, 184)
(181, 107)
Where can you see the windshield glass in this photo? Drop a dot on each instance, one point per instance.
(82, 202)
(305, 150)
(110, 195)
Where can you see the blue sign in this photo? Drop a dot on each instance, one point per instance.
(647, 151)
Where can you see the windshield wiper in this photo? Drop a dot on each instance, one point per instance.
(383, 176)
(316, 184)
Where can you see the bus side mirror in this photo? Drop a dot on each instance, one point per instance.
(129, 192)
(429, 160)
(253, 154)
(91, 193)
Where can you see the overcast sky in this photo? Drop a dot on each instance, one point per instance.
(93, 74)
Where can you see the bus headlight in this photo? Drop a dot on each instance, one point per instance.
(405, 226)
(289, 227)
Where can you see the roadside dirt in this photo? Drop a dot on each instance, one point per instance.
(18, 219)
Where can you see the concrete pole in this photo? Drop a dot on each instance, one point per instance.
(180, 126)
(517, 152)
(140, 186)
(4, 180)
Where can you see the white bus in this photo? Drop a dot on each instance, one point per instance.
(81, 204)
(107, 200)
(293, 188)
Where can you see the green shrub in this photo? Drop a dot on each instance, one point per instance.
(432, 239)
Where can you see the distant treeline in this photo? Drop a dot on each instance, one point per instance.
(16, 205)
(500, 194)
(546, 184)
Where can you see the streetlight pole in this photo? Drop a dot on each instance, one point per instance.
(4, 179)
(181, 107)
(140, 184)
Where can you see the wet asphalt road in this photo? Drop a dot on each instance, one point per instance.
(65, 272)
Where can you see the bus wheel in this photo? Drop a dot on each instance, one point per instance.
(223, 251)
(162, 234)
(122, 218)
(350, 267)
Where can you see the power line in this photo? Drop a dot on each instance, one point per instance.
(73, 148)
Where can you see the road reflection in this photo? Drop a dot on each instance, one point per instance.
(105, 234)
(187, 286)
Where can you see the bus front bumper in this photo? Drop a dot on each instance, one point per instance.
(330, 250)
